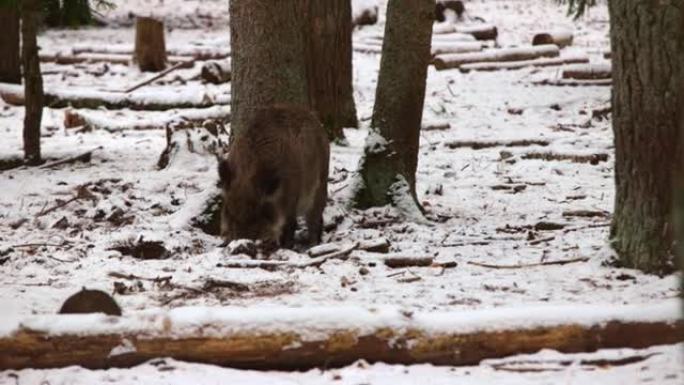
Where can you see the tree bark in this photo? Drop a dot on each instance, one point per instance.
(329, 65)
(647, 42)
(268, 48)
(67, 13)
(10, 62)
(33, 81)
(150, 47)
(391, 153)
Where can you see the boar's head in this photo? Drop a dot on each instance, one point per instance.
(251, 206)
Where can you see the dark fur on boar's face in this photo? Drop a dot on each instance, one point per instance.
(276, 170)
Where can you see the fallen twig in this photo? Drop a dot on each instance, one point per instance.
(133, 277)
(521, 266)
(399, 261)
(576, 158)
(85, 157)
(183, 64)
(541, 240)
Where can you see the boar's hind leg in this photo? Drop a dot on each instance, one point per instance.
(288, 234)
(314, 218)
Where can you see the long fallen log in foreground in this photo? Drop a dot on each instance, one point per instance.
(594, 71)
(514, 65)
(301, 338)
(61, 58)
(442, 62)
(141, 100)
(196, 52)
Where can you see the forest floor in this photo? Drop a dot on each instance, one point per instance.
(491, 203)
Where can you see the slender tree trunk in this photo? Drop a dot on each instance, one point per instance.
(648, 59)
(33, 82)
(268, 48)
(391, 153)
(329, 64)
(67, 13)
(10, 63)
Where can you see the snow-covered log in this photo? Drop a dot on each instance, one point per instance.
(140, 100)
(96, 120)
(592, 71)
(112, 58)
(453, 36)
(561, 38)
(542, 62)
(196, 52)
(444, 47)
(365, 47)
(478, 31)
(216, 72)
(443, 62)
(301, 338)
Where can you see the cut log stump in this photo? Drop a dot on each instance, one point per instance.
(150, 47)
(442, 62)
(303, 338)
(561, 38)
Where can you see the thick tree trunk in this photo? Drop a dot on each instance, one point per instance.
(150, 47)
(67, 13)
(268, 48)
(647, 41)
(10, 63)
(391, 153)
(329, 65)
(33, 81)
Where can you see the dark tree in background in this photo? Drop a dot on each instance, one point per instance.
(329, 64)
(647, 40)
(268, 48)
(10, 62)
(67, 13)
(391, 154)
(33, 81)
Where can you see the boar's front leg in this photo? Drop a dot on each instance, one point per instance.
(288, 233)
(314, 218)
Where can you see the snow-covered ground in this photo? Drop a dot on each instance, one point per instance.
(488, 206)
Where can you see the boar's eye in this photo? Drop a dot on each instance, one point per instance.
(225, 175)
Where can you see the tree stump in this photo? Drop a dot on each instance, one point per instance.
(150, 48)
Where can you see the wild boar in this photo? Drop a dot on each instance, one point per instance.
(276, 171)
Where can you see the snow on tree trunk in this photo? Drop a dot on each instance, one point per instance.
(190, 148)
(391, 153)
(33, 81)
(647, 40)
(330, 65)
(150, 47)
(268, 60)
(10, 62)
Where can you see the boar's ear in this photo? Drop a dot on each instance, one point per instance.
(225, 174)
(269, 181)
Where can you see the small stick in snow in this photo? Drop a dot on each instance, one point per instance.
(133, 277)
(341, 254)
(85, 157)
(183, 64)
(399, 261)
(541, 240)
(521, 266)
(591, 226)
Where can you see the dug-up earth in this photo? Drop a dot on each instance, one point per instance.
(508, 225)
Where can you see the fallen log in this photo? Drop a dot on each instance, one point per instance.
(514, 65)
(216, 72)
(453, 36)
(94, 120)
(444, 47)
(443, 62)
(112, 58)
(478, 31)
(592, 71)
(573, 82)
(364, 13)
(478, 145)
(561, 38)
(280, 338)
(367, 48)
(443, 8)
(593, 159)
(196, 52)
(88, 98)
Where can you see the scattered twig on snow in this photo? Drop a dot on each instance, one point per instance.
(182, 64)
(541, 240)
(521, 266)
(133, 277)
(85, 157)
(399, 261)
(585, 213)
(63, 244)
(593, 159)
(274, 265)
(591, 226)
